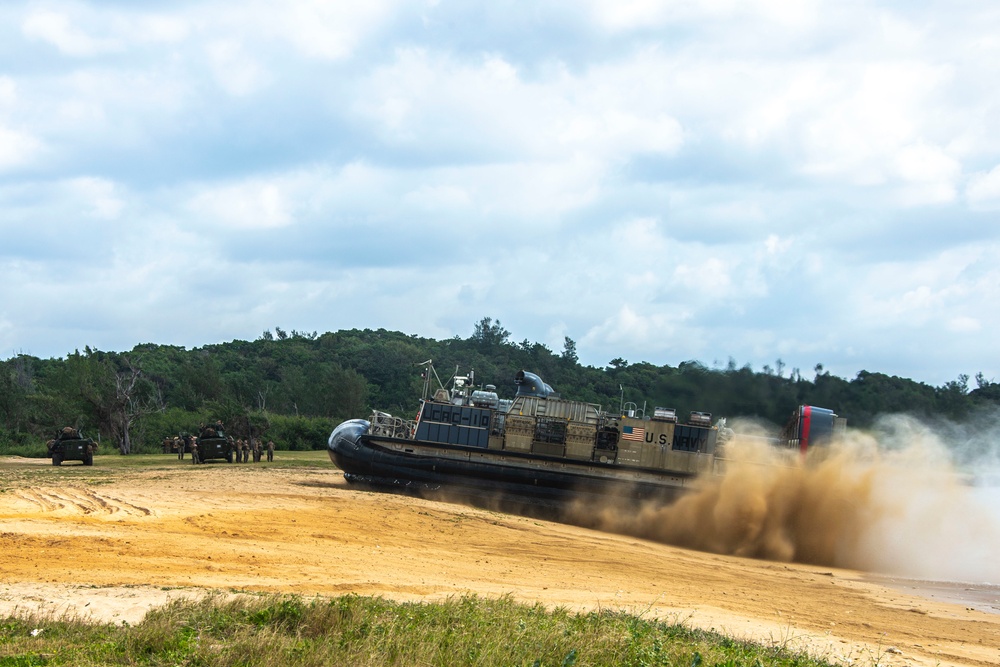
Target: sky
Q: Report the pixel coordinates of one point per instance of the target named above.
(815, 182)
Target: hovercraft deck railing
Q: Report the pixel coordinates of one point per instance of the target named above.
(387, 426)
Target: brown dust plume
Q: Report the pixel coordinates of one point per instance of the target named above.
(892, 504)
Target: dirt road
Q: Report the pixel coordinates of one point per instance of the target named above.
(113, 545)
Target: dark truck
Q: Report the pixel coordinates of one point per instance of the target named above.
(213, 444)
(70, 445)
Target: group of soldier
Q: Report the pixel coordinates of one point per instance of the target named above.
(241, 449)
(244, 449)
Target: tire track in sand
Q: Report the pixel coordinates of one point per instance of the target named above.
(80, 501)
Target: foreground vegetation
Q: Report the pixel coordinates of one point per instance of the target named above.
(294, 388)
(353, 630)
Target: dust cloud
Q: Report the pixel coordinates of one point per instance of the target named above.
(892, 501)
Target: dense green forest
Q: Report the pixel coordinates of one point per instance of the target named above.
(294, 387)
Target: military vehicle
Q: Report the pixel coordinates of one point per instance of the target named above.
(70, 445)
(213, 444)
(538, 444)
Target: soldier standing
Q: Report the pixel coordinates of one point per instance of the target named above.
(194, 450)
(256, 451)
(270, 450)
(181, 444)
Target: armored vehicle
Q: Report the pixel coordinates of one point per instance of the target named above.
(70, 445)
(213, 444)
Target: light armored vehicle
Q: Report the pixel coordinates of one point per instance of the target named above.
(213, 444)
(70, 445)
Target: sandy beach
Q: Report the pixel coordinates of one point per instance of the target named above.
(110, 547)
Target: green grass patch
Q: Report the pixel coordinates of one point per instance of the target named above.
(353, 630)
(20, 472)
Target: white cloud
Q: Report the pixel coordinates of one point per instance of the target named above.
(628, 328)
(621, 15)
(17, 148)
(487, 107)
(98, 196)
(331, 30)
(675, 170)
(947, 291)
(252, 204)
(425, 99)
(235, 69)
(864, 132)
(618, 131)
(775, 246)
(965, 324)
(157, 29)
(627, 14)
(518, 194)
(8, 93)
(705, 277)
(84, 31)
(929, 175)
(437, 197)
(983, 190)
(640, 238)
(59, 30)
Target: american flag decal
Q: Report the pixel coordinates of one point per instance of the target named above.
(633, 433)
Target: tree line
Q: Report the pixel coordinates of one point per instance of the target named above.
(293, 387)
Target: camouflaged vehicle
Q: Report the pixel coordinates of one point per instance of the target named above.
(213, 444)
(70, 445)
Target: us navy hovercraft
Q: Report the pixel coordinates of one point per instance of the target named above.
(538, 444)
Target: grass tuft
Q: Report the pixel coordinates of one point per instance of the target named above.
(268, 631)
